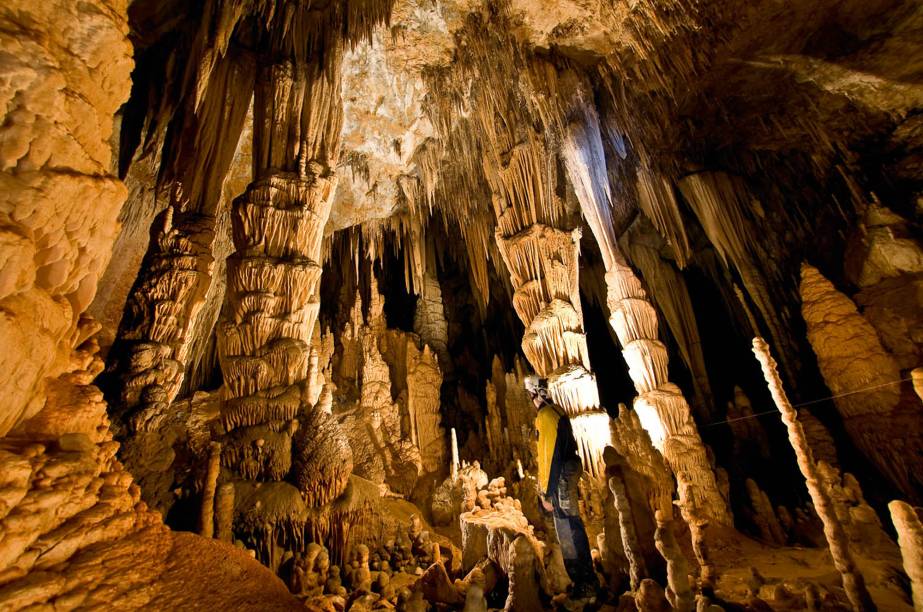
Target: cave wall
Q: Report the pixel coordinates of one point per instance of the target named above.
(71, 514)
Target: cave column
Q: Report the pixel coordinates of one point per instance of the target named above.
(154, 338)
(543, 262)
(272, 299)
(660, 404)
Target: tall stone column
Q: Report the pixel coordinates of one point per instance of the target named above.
(274, 433)
(660, 404)
(543, 262)
(152, 348)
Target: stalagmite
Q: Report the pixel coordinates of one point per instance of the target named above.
(270, 270)
(453, 469)
(910, 538)
(680, 593)
(224, 512)
(864, 379)
(853, 582)
(207, 523)
(424, 380)
(765, 517)
(627, 529)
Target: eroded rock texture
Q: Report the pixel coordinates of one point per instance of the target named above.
(71, 516)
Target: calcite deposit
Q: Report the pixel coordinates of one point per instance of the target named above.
(284, 285)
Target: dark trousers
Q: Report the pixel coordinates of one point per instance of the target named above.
(572, 538)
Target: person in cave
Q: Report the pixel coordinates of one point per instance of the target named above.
(559, 470)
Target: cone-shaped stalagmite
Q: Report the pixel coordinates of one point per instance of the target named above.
(910, 539)
(851, 358)
(853, 582)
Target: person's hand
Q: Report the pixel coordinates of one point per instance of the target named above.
(546, 504)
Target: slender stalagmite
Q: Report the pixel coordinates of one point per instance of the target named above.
(207, 527)
(680, 594)
(910, 539)
(627, 529)
(224, 512)
(454, 468)
(853, 582)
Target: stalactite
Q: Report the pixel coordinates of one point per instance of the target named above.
(543, 266)
(853, 582)
(851, 358)
(658, 202)
(669, 292)
(720, 202)
(665, 411)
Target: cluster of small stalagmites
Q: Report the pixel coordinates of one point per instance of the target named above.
(858, 518)
(864, 380)
(497, 539)
(660, 405)
(633, 455)
(458, 493)
(401, 568)
(159, 314)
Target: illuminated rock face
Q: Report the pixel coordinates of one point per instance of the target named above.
(522, 167)
(71, 514)
(850, 355)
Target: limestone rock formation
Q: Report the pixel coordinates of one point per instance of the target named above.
(274, 273)
(865, 380)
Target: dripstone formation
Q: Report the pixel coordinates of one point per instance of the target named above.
(288, 287)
